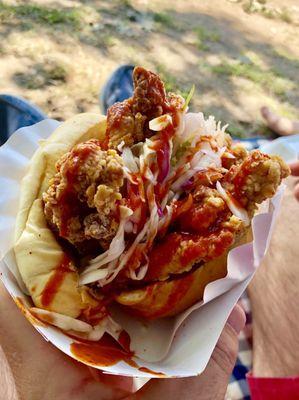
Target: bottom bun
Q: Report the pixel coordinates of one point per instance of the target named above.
(168, 298)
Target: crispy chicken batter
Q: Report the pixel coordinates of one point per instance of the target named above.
(209, 222)
(181, 251)
(255, 179)
(149, 96)
(80, 203)
(128, 121)
(207, 208)
(238, 153)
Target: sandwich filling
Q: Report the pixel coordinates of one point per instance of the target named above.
(165, 192)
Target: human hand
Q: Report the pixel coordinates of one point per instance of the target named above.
(33, 369)
(295, 172)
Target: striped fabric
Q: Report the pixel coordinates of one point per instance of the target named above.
(238, 388)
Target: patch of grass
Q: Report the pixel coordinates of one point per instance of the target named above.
(169, 80)
(41, 14)
(271, 79)
(260, 7)
(286, 58)
(125, 3)
(236, 130)
(268, 13)
(204, 36)
(253, 6)
(171, 83)
(286, 109)
(285, 15)
(56, 73)
(108, 40)
(121, 11)
(165, 19)
(243, 130)
(41, 76)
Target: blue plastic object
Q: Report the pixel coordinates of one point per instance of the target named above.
(15, 113)
(253, 142)
(118, 87)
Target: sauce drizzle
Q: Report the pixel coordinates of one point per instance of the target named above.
(124, 340)
(105, 352)
(149, 371)
(55, 281)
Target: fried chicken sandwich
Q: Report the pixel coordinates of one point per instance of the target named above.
(139, 208)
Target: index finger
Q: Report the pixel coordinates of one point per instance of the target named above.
(294, 168)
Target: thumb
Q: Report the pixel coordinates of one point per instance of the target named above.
(215, 378)
(212, 383)
(225, 353)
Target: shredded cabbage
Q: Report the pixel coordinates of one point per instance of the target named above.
(61, 321)
(129, 160)
(116, 248)
(238, 211)
(160, 123)
(77, 327)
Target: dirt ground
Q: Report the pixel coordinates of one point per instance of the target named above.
(239, 54)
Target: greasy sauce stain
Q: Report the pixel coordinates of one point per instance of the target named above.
(30, 317)
(124, 340)
(105, 352)
(132, 363)
(55, 281)
(148, 371)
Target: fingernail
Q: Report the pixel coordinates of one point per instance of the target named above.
(237, 319)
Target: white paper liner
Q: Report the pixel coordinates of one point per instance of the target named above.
(176, 347)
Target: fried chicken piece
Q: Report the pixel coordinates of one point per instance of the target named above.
(128, 121)
(234, 155)
(207, 207)
(203, 232)
(121, 124)
(149, 96)
(239, 152)
(211, 227)
(255, 179)
(178, 252)
(81, 201)
(208, 178)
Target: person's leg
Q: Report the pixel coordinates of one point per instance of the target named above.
(280, 125)
(118, 87)
(274, 297)
(16, 113)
